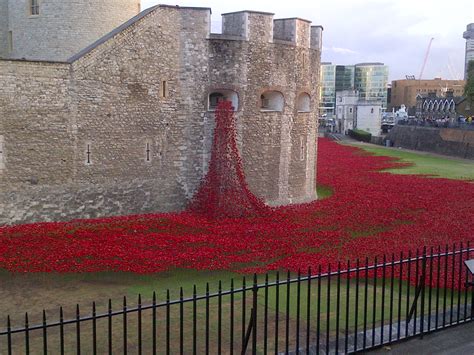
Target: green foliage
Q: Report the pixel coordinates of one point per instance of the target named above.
(360, 135)
(469, 88)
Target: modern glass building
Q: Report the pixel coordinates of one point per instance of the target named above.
(344, 77)
(371, 80)
(327, 102)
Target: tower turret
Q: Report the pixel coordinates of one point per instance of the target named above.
(55, 30)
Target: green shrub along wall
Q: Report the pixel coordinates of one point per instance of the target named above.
(360, 135)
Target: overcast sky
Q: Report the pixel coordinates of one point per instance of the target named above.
(395, 32)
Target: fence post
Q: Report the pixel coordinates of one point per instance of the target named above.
(255, 293)
(422, 285)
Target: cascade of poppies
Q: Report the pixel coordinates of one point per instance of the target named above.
(224, 192)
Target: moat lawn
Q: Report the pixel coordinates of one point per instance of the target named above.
(424, 163)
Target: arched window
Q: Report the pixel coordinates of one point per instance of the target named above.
(223, 95)
(431, 106)
(303, 104)
(453, 106)
(272, 101)
(442, 105)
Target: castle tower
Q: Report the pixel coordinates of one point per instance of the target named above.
(469, 36)
(3, 27)
(54, 30)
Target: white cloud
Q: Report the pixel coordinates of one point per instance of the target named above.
(340, 50)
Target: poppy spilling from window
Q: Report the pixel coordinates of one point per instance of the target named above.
(224, 193)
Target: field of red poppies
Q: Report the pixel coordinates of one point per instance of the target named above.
(370, 213)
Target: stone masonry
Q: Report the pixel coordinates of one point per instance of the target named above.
(61, 29)
(125, 125)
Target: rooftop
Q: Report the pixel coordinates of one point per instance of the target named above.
(368, 64)
(293, 18)
(249, 11)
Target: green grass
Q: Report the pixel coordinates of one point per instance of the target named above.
(328, 322)
(324, 192)
(425, 163)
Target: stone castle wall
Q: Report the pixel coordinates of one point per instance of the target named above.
(3, 28)
(446, 141)
(126, 128)
(62, 28)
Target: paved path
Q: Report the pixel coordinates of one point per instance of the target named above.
(456, 341)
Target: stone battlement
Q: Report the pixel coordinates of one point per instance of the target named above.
(261, 27)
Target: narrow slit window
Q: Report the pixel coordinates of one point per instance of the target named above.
(34, 7)
(88, 155)
(2, 154)
(301, 148)
(164, 89)
(10, 41)
(147, 153)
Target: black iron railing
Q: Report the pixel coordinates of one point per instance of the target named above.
(356, 307)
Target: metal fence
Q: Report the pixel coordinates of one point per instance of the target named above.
(354, 307)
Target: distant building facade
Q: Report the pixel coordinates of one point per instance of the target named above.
(369, 116)
(368, 79)
(434, 107)
(346, 110)
(345, 77)
(405, 92)
(469, 36)
(327, 95)
(354, 113)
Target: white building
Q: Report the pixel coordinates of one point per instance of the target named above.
(353, 113)
(369, 117)
(346, 110)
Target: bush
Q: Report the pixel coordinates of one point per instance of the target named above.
(360, 135)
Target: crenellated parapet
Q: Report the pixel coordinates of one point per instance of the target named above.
(256, 26)
(249, 25)
(317, 37)
(294, 30)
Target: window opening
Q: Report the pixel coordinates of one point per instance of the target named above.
(34, 7)
(214, 100)
(88, 154)
(164, 88)
(148, 152)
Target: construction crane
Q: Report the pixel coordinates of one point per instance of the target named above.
(426, 58)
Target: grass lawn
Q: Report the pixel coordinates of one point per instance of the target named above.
(424, 163)
(88, 287)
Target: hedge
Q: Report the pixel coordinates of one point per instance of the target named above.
(360, 135)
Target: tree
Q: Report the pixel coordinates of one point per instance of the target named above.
(469, 88)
